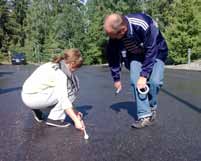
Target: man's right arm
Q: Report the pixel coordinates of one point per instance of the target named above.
(114, 60)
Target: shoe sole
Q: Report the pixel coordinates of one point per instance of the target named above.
(55, 125)
(140, 127)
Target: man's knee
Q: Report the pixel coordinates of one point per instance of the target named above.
(155, 82)
(135, 72)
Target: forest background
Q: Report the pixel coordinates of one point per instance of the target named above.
(43, 28)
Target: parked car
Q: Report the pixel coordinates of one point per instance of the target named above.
(18, 58)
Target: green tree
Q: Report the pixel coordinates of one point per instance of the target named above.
(19, 8)
(42, 28)
(68, 25)
(38, 18)
(183, 31)
(53, 26)
(95, 37)
(8, 33)
(159, 10)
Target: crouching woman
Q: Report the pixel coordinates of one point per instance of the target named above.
(54, 84)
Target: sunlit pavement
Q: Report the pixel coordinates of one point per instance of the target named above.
(175, 136)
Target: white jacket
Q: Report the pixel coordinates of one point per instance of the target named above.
(49, 75)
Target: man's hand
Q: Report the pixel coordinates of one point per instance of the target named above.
(141, 83)
(118, 85)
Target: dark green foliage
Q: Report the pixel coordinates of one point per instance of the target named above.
(8, 26)
(183, 31)
(43, 28)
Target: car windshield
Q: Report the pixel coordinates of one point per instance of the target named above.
(18, 55)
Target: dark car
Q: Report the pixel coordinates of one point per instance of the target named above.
(18, 58)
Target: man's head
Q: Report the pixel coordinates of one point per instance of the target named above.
(115, 26)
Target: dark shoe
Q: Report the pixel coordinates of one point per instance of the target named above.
(143, 122)
(38, 115)
(57, 123)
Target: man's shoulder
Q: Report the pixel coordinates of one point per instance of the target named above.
(136, 15)
(142, 16)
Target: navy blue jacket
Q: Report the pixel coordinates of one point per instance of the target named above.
(142, 42)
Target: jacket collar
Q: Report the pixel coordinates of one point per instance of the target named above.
(65, 69)
(129, 32)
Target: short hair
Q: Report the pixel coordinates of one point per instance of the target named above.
(117, 22)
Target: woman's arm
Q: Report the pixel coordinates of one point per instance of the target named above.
(76, 118)
(66, 105)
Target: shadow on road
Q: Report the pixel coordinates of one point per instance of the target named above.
(3, 91)
(193, 107)
(5, 73)
(130, 107)
(84, 109)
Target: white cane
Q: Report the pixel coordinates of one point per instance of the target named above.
(86, 136)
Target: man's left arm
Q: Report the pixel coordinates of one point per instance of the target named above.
(150, 50)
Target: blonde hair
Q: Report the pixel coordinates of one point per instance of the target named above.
(69, 56)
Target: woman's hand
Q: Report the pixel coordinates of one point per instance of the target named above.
(79, 115)
(79, 125)
(76, 117)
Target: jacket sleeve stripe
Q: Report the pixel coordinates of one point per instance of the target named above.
(139, 22)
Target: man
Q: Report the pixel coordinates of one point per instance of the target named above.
(136, 40)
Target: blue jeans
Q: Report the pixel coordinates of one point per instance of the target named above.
(145, 103)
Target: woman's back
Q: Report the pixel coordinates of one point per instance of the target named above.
(42, 78)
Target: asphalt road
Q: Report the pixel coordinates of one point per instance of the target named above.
(176, 135)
